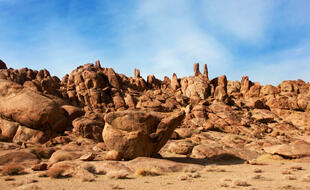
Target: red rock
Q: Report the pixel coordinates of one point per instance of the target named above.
(73, 112)
(195, 87)
(17, 156)
(88, 128)
(196, 69)
(175, 82)
(2, 65)
(138, 133)
(30, 108)
(25, 134)
(205, 71)
(7, 129)
(245, 84)
(113, 79)
(88, 157)
(39, 167)
(137, 73)
(295, 149)
(62, 155)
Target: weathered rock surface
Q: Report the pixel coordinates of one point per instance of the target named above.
(139, 133)
(296, 149)
(95, 114)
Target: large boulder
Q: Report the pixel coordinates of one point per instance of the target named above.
(30, 108)
(295, 149)
(88, 128)
(139, 133)
(7, 129)
(195, 87)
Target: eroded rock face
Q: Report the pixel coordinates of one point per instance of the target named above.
(139, 133)
(88, 128)
(221, 116)
(29, 108)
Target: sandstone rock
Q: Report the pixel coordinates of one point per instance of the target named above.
(113, 79)
(113, 155)
(233, 87)
(287, 87)
(88, 128)
(195, 87)
(182, 147)
(137, 73)
(39, 167)
(220, 94)
(174, 82)
(130, 102)
(7, 129)
(88, 156)
(73, 112)
(139, 133)
(196, 69)
(264, 116)
(25, 134)
(2, 65)
(254, 90)
(184, 132)
(295, 149)
(199, 111)
(62, 155)
(21, 157)
(205, 71)
(269, 90)
(30, 108)
(153, 82)
(245, 84)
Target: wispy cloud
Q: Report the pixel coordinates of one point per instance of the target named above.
(242, 19)
(160, 37)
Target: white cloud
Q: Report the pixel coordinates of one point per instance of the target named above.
(173, 39)
(246, 20)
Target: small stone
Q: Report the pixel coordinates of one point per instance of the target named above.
(224, 185)
(88, 157)
(9, 179)
(290, 177)
(258, 170)
(257, 177)
(241, 183)
(113, 155)
(115, 186)
(183, 177)
(295, 168)
(39, 167)
(286, 172)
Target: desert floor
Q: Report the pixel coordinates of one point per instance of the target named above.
(274, 174)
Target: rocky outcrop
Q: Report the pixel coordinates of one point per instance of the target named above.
(139, 133)
(213, 117)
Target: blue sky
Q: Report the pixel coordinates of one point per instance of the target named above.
(268, 40)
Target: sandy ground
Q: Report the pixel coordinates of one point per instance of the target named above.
(220, 175)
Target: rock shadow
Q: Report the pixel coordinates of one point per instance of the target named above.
(221, 159)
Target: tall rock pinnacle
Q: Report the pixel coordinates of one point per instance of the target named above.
(205, 71)
(196, 70)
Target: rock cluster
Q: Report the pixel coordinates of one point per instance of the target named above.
(96, 109)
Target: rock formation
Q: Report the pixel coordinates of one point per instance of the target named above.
(139, 133)
(96, 111)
